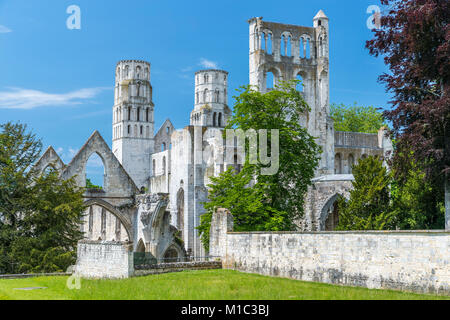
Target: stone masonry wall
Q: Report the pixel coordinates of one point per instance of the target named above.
(415, 261)
(104, 259)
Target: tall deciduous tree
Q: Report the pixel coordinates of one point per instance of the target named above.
(275, 201)
(415, 41)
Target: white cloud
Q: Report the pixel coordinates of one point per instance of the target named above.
(18, 98)
(4, 29)
(205, 63)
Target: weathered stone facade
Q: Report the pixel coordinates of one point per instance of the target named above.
(407, 260)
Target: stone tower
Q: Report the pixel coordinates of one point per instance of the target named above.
(133, 123)
(290, 52)
(211, 103)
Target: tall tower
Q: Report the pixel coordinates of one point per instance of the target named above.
(211, 102)
(290, 52)
(133, 123)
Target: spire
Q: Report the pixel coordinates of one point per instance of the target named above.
(320, 15)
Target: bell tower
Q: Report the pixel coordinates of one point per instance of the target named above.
(133, 123)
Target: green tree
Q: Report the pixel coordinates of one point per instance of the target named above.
(356, 118)
(417, 203)
(39, 214)
(90, 185)
(267, 202)
(369, 205)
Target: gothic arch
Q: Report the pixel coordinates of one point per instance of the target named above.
(123, 219)
(326, 210)
(140, 246)
(173, 252)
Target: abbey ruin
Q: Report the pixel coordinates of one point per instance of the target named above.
(155, 182)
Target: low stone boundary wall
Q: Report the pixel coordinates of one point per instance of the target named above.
(176, 267)
(414, 261)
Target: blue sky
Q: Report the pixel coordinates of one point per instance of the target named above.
(60, 81)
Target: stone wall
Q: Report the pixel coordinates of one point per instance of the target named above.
(104, 259)
(415, 261)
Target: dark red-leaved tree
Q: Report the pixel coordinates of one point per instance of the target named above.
(414, 39)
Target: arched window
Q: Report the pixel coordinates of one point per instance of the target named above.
(146, 114)
(216, 95)
(300, 86)
(138, 114)
(168, 130)
(220, 119)
(163, 146)
(95, 172)
(214, 119)
(308, 49)
(126, 71)
(269, 43)
(142, 130)
(205, 78)
(351, 162)
(337, 164)
(129, 113)
(138, 73)
(270, 80)
(129, 129)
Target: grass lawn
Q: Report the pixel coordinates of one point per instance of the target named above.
(193, 285)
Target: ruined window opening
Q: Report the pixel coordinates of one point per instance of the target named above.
(269, 43)
(320, 22)
(95, 172)
(220, 119)
(163, 146)
(308, 48)
(168, 130)
(129, 129)
(270, 80)
(129, 113)
(300, 86)
(142, 130)
(146, 114)
(138, 114)
(214, 119)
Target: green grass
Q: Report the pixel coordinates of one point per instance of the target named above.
(193, 285)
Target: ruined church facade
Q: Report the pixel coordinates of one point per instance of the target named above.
(155, 183)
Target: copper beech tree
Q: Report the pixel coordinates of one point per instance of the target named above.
(414, 39)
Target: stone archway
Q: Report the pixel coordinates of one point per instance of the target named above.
(329, 216)
(140, 246)
(119, 215)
